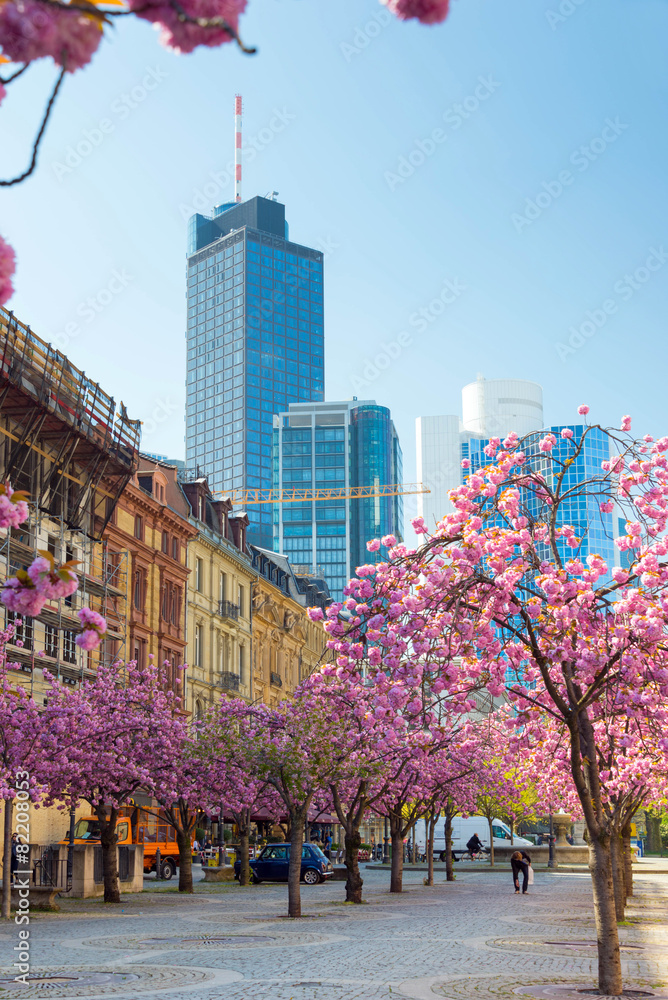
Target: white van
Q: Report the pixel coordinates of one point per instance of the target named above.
(462, 831)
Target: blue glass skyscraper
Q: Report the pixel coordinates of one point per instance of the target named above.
(255, 343)
(329, 446)
(580, 507)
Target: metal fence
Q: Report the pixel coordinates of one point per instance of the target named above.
(50, 872)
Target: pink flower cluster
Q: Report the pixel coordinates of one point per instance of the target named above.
(425, 11)
(32, 30)
(184, 36)
(52, 583)
(21, 597)
(13, 508)
(94, 627)
(7, 261)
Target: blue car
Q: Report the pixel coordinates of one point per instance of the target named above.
(271, 865)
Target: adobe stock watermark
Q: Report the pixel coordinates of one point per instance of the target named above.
(365, 35)
(223, 180)
(564, 10)
(21, 876)
(625, 288)
(420, 320)
(454, 117)
(89, 308)
(581, 158)
(160, 414)
(119, 110)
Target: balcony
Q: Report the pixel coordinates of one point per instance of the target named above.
(228, 610)
(276, 680)
(229, 681)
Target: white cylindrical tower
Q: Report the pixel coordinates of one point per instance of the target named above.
(494, 407)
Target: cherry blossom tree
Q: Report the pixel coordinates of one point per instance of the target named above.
(122, 729)
(499, 595)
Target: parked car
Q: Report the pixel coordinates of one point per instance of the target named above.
(271, 865)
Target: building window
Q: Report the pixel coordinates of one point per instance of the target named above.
(199, 575)
(175, 615)
(139, 590)
(51, 641)
(23, 633)
(241, 663)
(198, 645)
(165, 542)
(139, 527)
(69, 647)
(222, 587)
(113, 568)
(176, 551)
(164, 604)
(241, 601)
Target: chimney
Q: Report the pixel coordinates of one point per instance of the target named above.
(239, 524)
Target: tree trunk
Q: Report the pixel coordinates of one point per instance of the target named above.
(295, 870)
(627, 860)
(653, 824)
(108, 838)
(244, 855)
(397, 860)
(7, 877)
(185, 860)
(430, 825)
(617, 865)
(354, 880)
(414, 848)
(491, 842)
(449, 874)
(609, 961)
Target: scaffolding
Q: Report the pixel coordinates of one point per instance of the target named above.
(64, 418)
(73, 452)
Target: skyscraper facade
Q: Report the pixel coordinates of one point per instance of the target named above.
(490, 408)
(255, 343)
(335, 446)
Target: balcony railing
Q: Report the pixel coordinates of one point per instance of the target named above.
(276, 680)
(229, 681)
(228, 610)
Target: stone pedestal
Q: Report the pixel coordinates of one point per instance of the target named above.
(224, 874)
(562, 827)
(578, 833)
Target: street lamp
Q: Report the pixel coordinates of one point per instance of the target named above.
(70, 849)
(550, 860)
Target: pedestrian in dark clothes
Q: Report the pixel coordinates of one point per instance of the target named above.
(519, 862)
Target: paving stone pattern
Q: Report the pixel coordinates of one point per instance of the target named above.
(473, 939)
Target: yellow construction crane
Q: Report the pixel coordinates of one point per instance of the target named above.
(242, 498)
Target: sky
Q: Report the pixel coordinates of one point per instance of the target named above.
(488, 193)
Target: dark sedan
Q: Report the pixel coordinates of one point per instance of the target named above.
(272, 864)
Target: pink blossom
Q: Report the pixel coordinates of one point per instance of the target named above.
(373, 545)
(89, 639)
(7, 264)
(315, 614)
(426, 11)
(626, 423)
(547, 443)
(583, 410)
(22, 598)
(388, 541)
(419, 526)
(607, 506)
(32, 30)
(567, 433)
(51, 582)
(465, 463)
(13, 510)
(184, 36)
(91, 619)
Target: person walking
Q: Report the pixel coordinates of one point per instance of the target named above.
(328, 846)
(520, 862)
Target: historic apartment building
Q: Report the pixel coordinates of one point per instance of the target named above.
(248, 632)
(65, 443)
(148, 534)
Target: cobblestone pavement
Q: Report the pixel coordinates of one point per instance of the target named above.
(469, 939)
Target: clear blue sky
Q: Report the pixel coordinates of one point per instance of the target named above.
(349, 112)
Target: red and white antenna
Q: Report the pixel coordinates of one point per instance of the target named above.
(237, 147)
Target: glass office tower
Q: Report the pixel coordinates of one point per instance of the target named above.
(335, 446)
(255, 343)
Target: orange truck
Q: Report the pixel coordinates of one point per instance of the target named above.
(136, 826)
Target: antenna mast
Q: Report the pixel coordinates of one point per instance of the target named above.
(237, 148)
